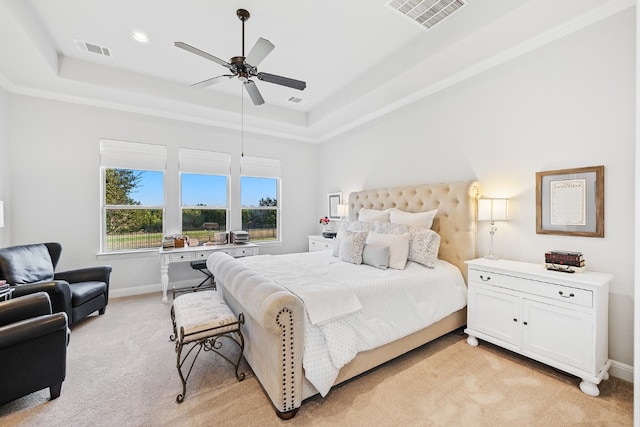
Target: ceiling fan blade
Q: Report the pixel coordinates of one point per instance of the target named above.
(259, 51)
(253, 92)
(283, 81)
(213, 81)
(203, 54)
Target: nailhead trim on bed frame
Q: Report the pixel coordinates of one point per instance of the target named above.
(285, 322)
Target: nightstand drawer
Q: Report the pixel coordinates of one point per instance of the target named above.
(563, 293)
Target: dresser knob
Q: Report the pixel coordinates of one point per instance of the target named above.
(483, 278)
(525, 323)
(515, 320)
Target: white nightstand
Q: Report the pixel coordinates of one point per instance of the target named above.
(556, 318)
(319, 243)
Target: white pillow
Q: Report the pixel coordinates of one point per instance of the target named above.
(376, 256)
(351, 246)
(423, 246)
(373, 215)
(398, 247)
(415, 219)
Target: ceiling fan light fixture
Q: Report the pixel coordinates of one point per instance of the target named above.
(245, 67)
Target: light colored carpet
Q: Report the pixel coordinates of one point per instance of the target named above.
(121, 372)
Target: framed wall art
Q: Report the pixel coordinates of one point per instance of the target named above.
(570, 202)
(334, 199)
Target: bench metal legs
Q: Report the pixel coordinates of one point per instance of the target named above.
(210, 343)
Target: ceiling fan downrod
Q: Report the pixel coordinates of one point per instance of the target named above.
(243, 15)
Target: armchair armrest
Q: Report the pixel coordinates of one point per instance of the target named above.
(98, 273)
(58, 290)
(25, 307)
(31, 329)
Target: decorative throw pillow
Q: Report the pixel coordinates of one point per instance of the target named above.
(352, 245)
(357, 226)
(424, 247)
(415, 219)
(376, 256)
(398, 247)
(373, 215)
(392, 228)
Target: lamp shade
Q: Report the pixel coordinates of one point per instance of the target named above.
(343, 210)
(493, 209)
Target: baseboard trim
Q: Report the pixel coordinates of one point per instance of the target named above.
(150, 289)
(621, 370)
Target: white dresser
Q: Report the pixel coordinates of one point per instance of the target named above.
(560, 319)
(319, 243)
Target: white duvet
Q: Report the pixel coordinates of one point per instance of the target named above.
(395, 303)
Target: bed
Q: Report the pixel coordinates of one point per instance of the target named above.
(285, 319)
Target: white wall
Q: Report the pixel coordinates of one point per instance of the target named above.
(4, 164)
(568, 104)
(56, 181)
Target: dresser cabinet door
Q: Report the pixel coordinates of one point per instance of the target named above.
(558, 333)
(494, 313)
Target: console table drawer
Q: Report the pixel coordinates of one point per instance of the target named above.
(182, 257)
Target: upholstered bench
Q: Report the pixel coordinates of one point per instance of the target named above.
(201, 319)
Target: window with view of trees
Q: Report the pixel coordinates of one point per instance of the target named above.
(204, 183)
(260, 195)
(133, 209)
(133, 195)
(204, 205)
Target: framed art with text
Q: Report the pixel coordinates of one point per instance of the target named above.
(570, 202)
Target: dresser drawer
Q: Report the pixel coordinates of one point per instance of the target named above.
(554, 291)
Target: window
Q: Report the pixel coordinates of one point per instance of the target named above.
(260, 198)
(132, 195)
(204, 183)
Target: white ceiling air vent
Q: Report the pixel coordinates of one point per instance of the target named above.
(427, 13)
(295, 100)
(92, 48)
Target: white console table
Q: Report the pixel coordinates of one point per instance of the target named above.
(168, 256)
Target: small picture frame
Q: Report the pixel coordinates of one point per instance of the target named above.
(334, 199)
(570, 202)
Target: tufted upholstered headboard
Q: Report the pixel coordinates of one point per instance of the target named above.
(456, 221)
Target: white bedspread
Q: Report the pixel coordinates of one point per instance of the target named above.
(395, 303)
(324, 297)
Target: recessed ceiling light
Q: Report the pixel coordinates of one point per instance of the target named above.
(140, 37)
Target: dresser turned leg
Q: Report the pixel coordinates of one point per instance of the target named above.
(589, 388)
(472, 341)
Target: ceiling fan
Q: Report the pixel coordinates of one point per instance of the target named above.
(245, 67)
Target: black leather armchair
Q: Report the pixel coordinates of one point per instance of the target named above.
(33, 347)
(31, 268)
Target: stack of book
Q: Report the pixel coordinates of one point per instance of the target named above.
(567, 261)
